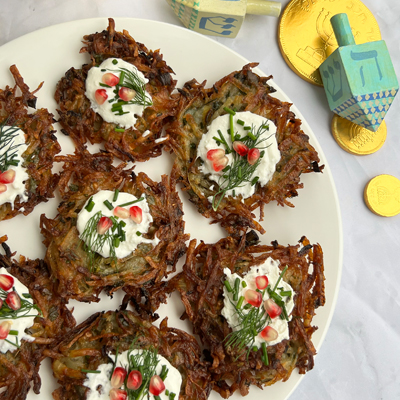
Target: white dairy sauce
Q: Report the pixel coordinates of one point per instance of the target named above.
(100, 384)
(16, 188)
(19, 324)
(266, 168)
(271, 270)
(132, 239)
(93, 80)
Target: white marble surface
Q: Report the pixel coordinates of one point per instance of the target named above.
(359, 358)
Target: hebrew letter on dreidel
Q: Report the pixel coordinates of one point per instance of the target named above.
(368, 83)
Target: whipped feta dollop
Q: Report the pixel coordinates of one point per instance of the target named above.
(17, 187)
(269, 145)
(20, 324)
(100, 383)
(270, 269)
(94, 81)
(133, 231)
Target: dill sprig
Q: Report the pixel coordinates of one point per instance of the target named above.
(93, 242)
(23, 312)
(8, 150)
(240, 171)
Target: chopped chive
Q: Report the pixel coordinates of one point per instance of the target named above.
(240, 302)
(265, 354)
(121, 77)
(104, 85)
(229, 111)
(14, 333)
(286, 293)
(13, 162)
(217, 140)
(164, 372)
(233, 193)
(228, 286)
(240, 122)
(244, 284)
(123, 237)
(172, 396)
(255, 180)
(255, 333)
(262, 154)
(227, 148)
(119, 230)
(247, 128)
(227, 168)
(255, 348)
(138, 233)
(108, 204)
(122, 223)
(280, 277)
(116, 241)
(90, 371)
(240, 171)
(167, 392)
(157, 398)
(236, 293)
(115, 62)
(90, 205)
(103, 70)
(119, 130)
(237, 137)
(26, 295)
(131, 202)
(116, 193)
(231, 127)
(247, 306)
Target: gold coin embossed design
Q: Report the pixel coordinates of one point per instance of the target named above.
(306, 36)
(355, 139)
(382, 195)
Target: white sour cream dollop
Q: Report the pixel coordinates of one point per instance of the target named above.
(271, 270)
(19, 324)
(267, 166)
(16, 188)
(93, 81)
(100, 384)
(132, 238)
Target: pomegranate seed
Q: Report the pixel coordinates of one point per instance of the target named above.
(269, 334)
(261, 282)
(253, 156)
(136, 214)
(156, 386)
(6, 282)
(104, 225)
(3, 188)
(7, 176)
(126, 94)
(121, 212)
(220, 164)
(215, 154)
(5, 327)
(101, 96)
(240, 148)
(118, 394)
(13, 301)
(118, 377)
(254, 298)
(110, 79)
(272, 308)
(134, 380)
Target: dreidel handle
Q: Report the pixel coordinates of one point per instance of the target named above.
(341, 27)
(263, 7)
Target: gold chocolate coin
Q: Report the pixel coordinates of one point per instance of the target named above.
(382, 195)
(306, 36)
(355, 139)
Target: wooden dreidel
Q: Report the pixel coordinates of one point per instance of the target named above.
(220, 17)
(359, 80)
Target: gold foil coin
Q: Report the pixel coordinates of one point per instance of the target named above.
(306, 36)
(382, 195)
(355, 139)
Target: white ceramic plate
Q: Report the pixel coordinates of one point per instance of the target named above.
(45, 55)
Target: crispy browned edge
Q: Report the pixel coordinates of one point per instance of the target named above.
(20, 368)
(243, 91)
(81, 123)
(88, 346)
(201, 288)
(83, 175)
(41, 141)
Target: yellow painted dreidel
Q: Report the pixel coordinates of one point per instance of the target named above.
(359, 80)
(220, 17)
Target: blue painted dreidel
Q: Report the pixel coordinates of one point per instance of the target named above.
(359, 80)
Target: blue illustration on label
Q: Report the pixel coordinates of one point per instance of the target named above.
(219, 25)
